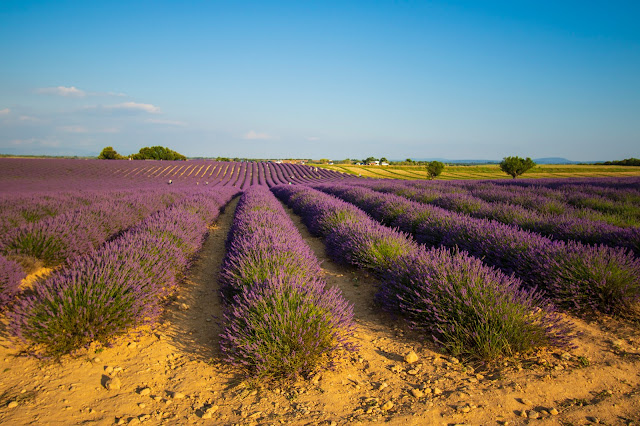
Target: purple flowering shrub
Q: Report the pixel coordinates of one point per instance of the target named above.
(11, 274)
(280, 320)
(592, 278)
(55, 240)
(366, 244)
(261, 244)
(119, 286)
(468, 307)
(95, 299)
(284, 328)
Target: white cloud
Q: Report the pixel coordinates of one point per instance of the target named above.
(134, 106)
(109, 130)
(73, 129)
(167, 122)
(63, 91)
(5, 111)
(29, 119)
(74, 92)
(121, 95)
(313, 138)
(256, 136)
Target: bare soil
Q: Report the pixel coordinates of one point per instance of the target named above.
(175, 374)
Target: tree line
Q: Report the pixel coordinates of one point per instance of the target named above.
(146, 153)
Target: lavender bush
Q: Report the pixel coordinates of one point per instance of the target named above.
(280, 320)
(468, 308)
(56, 239)
(591, 278)
(286, 327)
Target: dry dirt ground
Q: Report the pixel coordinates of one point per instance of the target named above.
(174, 374)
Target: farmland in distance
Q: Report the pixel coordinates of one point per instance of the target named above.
(457, 172)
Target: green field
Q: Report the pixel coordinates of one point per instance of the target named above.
(489, 171)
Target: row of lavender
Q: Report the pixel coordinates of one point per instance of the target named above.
(67, 232)
(612, 200)
(18, 210)
(119, 286)
(576, 276)
(565, 226)
(280, 319)
(467, 307)
(604, 199)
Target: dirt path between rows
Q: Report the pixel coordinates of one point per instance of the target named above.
(175, 374)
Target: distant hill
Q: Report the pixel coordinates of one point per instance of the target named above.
(555, 160)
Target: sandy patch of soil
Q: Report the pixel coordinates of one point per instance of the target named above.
(174, 374)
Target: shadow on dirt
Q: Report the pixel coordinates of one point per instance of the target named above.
(194, 318)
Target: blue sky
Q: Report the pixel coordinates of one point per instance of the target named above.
(322, 79)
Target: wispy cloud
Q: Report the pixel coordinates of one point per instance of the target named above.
(74, 92)
(252, 135)
(109, 130)
(121, 95)
(62, 91)
(29, 119)
(167, 122)
(134, 106)
(5, 111)
(73, 129)
(313, 138)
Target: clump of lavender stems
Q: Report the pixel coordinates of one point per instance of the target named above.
(280, 319)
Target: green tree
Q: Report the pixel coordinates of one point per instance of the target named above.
(158, 153)
(108, 153)
(369, 160)
(384, 160)
(434, 168)
(515, 166)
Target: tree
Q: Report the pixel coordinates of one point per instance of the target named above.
(158, 153)
(434, 168)
(515, 166)
(384, 160)
(108, 153)
(369, 160)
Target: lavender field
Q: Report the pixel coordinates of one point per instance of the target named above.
(568, 244)
(481, 270)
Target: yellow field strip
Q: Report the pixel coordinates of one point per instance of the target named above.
(198, 172)
(169, 173)
(131, 171)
